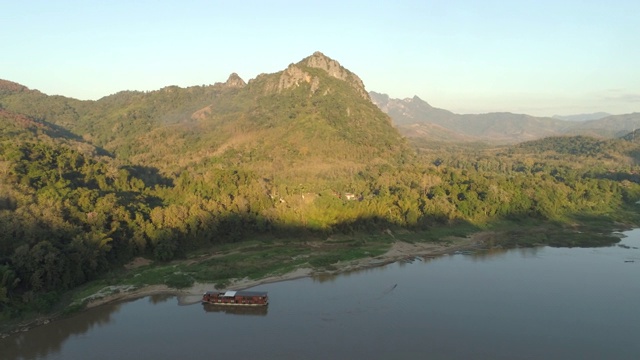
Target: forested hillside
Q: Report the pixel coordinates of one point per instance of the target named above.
(86, 186)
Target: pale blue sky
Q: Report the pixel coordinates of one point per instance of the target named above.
(537, 57)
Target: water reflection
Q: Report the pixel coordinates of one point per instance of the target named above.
(475, 255)
(497, 253)
(331, 277)
(159, 298)
(44, 341)
(237, 310)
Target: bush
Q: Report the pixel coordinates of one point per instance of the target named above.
(179, 281)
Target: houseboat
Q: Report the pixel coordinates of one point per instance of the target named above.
(236, 298)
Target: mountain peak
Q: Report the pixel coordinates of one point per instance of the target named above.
(319, 54)
(318, 60)
(322, 61)
(235, 81)
(300, 73)
(417, 101)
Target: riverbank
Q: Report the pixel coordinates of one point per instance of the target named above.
(259, 261)
(399, 247)
(398, 251)
(251, 263)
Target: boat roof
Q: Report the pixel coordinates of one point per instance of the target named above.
(232, 293)
(251, 293)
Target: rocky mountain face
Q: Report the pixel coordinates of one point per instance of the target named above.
(300, 73)
(415, 118)
(319, 61)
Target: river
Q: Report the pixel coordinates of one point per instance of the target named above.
(536, 303)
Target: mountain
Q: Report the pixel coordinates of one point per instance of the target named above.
(314, 117)
(608, 127)
(410, 111)
(415, 118)
(582, 117)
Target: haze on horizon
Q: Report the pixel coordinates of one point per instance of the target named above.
(536, 57)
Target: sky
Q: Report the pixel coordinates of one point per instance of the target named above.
(537, 57)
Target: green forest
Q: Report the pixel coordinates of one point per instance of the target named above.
(85, 187)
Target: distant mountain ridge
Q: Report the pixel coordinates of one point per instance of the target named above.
(415, 118)
(582, 117)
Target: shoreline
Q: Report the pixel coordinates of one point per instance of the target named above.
(398, 251)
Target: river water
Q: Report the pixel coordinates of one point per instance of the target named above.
(540, 303)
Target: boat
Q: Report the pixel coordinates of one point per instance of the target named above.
(236, 298)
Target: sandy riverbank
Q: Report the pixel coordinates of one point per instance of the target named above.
(398, 251)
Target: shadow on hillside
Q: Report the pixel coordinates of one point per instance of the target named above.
(635, 155)
(149, 175)
(126, 198)
(619, 176)
(57, 131)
